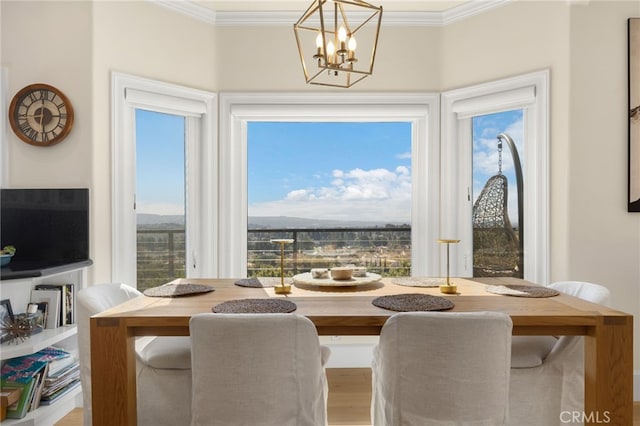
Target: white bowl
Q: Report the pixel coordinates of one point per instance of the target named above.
(341, 273)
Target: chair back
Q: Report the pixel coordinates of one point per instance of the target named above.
(256, 369)
(590, 292)
(91, 301)
(435, 368)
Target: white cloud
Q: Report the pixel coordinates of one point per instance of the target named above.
(404, 156)
(377, 194)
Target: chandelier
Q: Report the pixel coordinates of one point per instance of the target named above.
(337, 41)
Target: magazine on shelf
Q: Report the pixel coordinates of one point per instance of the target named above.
(32, 374)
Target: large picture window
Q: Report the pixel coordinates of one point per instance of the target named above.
(239, 111)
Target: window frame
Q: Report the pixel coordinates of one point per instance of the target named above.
(529, 92)
(237, 109)
(200, 111)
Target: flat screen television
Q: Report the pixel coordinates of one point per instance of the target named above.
(48, 227)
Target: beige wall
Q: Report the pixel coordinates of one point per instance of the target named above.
(582, 43)
(266, 59)
(56, 55)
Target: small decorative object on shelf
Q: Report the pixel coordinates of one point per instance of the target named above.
(282, 288)
(6, 254)
(16, 330)
(448, 287)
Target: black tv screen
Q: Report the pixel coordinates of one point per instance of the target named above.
(48, 227)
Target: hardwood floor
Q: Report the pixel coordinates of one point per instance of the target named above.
(348, 403)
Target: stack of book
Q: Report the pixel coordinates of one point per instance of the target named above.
(57, 301)
(42, 378)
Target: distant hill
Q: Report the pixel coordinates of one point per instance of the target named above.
(267, 222)
(261, 222)
(159, 220)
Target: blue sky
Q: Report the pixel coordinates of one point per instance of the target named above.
(341, 170)
(325, 170)
(159, 163)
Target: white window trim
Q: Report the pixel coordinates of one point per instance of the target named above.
(237, 109)
(531, 93)
(128, 93)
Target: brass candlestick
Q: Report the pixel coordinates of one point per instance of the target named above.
(282, 289)
(448, 287)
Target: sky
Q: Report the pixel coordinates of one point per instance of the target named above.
(159, 163)
(341, 170)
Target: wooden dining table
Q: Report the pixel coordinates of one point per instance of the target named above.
(348, 310)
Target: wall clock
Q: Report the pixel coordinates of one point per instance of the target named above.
(41, 115)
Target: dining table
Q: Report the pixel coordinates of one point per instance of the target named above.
(348, 310)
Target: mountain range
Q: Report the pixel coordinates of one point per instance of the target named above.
(263, 222)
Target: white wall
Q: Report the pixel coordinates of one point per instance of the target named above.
(583, 43)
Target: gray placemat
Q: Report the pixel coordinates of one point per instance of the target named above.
(522, 290)
(255, 306)
(418, 281)
(413, 302)
(177, 290)
(261, 282)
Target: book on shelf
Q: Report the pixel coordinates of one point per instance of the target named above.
(67, 301)
(32, 374)
(18, 409)
(52, 298)
(8, 397)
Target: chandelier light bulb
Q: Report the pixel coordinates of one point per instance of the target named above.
(330, 49)
(342, 34)
(319, 41)
(352, 44)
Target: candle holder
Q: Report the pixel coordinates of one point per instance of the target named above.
(448, 287)
(282, 289)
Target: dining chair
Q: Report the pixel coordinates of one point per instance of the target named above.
(436, 368)
(547, 374)
(163, 364)
(257, 369)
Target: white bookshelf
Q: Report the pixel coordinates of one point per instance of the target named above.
(18, 291)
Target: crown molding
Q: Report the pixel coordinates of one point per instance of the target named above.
(189, 8)
(281, 18)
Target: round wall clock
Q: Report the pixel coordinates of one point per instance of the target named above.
(41, 115)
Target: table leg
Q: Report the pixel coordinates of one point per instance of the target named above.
(113, 373)
(608, 366)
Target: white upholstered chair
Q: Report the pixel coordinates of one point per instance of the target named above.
(435, 368)
(547, 374)
(257, 369)
(163, 364)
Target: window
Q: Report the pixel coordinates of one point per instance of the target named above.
(160, 198)
(238, 110)
(340, 190)
(497, 194)
(196, 109)
(459, 107)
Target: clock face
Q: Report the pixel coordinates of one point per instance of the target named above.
(41, 115)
